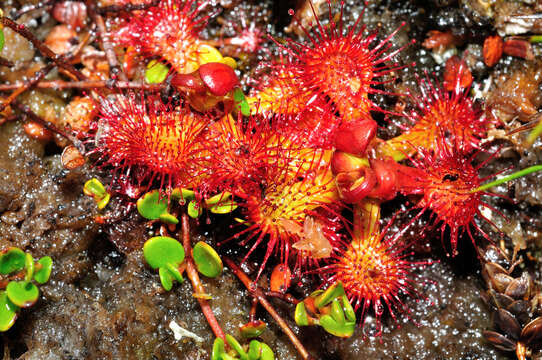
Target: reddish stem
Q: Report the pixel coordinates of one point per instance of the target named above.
(258, 294)
(194, 278)
(88, 84)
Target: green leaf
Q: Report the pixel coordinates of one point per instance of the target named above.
(168, 218)
(218, 198)
(94, 187)
(2, 39)
(194, 209)
(207, 260)
(174, 272)
(8, 312)
(348, 309)
(165, 278)
(153, 206)
(22, 293)
(234, 344)
(253, 329)
(218, 349)
(102, 203)
(182, 193)
(337, 312)
(300, 316)
(343, 330)
(266, 353)
(159, 251)
(327, 296)
(12, 260)
(241, 103)
(42, 274)
(254, 350)
(156, 72)
(225, 207)
(29, 266)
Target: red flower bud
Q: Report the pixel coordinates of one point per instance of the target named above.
(386, 177)
(345, 162)
(190, 81)
(354, 136)
(356, 185)
(219, 78)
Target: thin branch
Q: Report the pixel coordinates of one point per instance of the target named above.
(5, 62)
(114, 67)
(50, 126)
(127, 7)
(27, 85)
(42, 48)
(194, 278)
(86, 84)
(257, 293)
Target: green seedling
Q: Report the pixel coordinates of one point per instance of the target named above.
(153, 206)
(256, 350)
(96, 190)
(330, 309)
(165, 254)
(156, 72)
(2, 38)
(207, 260)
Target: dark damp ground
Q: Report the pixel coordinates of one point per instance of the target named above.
(103, 303)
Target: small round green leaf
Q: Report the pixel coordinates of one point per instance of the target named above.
(22, 293)
(224, 207)
(12, 260)
(156, 72)
(194, 209)
(234, 344)
(153, 206)
(343, 330)
(218, 349)
(42, 274)
(348, 309)
(207, 260)
(300, 315)
(174, 272)
(327, 296)
(168, 218)
(267, 353)
(165, 278)
(2, 39)
(102, 202)
(94, 188)
(8, 312)
(253, 329)
(337, 312)
(161, 250)
(254, 350)
(29, 266)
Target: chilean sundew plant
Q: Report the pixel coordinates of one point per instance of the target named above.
(343, 64)
(374, 267)
(285, 211)
(143, 138)
(452, 115)
(168, 30)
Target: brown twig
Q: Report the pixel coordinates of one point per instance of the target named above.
(194, 278)
(5, 62)
(42, 48)
(257, 293)
(50, 126)
(114, 67)
(87, 84)
(27, 85)
(127, 7)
